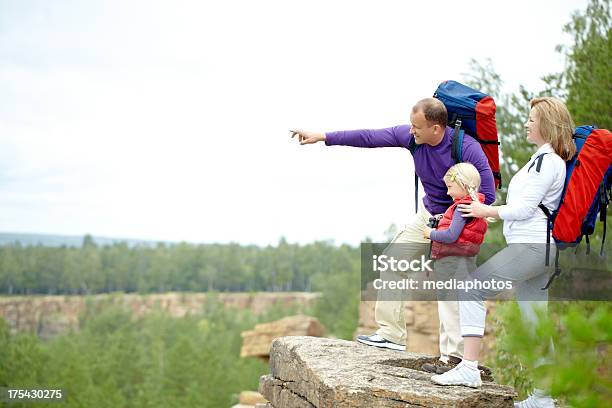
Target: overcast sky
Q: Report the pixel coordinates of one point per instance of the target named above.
(168, 120)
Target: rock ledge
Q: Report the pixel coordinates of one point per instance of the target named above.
(311, 372)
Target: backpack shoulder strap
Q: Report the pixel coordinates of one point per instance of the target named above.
(416, 193)
(549, 220)
(412, 147)
(603, 212)
(537, 162)
(546, 211)
(457, 146)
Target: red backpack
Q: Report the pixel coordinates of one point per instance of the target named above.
(587, 191)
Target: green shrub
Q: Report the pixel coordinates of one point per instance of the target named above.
(578, 371)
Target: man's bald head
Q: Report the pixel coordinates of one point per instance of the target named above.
(434, 111)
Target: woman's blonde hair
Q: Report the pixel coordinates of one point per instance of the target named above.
(466, 176)
(555, 124)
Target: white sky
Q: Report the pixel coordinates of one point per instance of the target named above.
(168, 120)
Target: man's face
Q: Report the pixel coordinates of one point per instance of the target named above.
(423, 131)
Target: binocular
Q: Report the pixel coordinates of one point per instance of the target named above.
(433, 222)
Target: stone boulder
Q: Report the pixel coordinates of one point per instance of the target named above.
(309, 372)
(256, 343)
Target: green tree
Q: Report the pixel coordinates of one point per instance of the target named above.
(586, 81)
(579, 369)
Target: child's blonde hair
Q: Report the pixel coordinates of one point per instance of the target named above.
(466, 176)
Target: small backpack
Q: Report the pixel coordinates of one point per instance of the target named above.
(586, 194)
(469, 111)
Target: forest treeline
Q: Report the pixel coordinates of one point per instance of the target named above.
(92, 269)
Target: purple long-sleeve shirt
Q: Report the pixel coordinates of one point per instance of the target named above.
(430, 162)
(451, 234)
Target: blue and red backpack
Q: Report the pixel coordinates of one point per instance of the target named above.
(586, 195)
(471, 111)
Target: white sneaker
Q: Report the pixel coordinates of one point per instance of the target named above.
(460, 375)
(378, 341)
(539, 399)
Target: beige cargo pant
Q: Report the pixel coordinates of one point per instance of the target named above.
(389, 311)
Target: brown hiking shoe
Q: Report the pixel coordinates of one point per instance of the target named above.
(439, 367)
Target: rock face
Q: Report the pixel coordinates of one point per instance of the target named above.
(312, 372)
(48, 316)
(422, 326)
(256, 343)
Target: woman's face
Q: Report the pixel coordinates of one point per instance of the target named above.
(533, 129)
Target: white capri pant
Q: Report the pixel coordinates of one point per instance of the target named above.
(523, 265)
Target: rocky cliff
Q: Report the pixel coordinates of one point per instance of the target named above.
(48, 316)
(310, 372)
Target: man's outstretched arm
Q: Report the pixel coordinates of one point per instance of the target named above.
(397, 136)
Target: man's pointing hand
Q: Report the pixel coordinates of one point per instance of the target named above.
(306, 137)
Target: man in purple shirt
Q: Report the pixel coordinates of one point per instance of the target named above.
(432, 158)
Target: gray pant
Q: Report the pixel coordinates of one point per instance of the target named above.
(523, 265)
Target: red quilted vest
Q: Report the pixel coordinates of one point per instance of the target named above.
(468, 243)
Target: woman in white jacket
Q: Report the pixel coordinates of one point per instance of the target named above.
(541, 180)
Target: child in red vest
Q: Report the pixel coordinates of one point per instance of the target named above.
(455, 244)
(457, 235)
